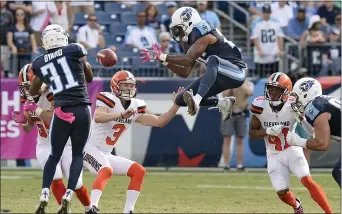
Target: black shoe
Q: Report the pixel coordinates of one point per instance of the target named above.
(300, 209)
(93, 210)
(240, 169)
(226, 168)
(131, 212)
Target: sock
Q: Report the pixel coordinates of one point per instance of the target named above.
(99, 184)
(45, 193)
(198, 99)
(239, 166)
(49, 170)
(131, 199)
(289, 199)
(317, 193)
(68, 193)
(58, 189)
(137, 173)
(83, 195)
(75, 171)
(95, 197)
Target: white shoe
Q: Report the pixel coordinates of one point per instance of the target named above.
(42, 203)
(65, 206)
(225, 106)
(190, 102)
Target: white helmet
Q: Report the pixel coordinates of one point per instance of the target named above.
(305, 90)
(182, 23)
(54, 36)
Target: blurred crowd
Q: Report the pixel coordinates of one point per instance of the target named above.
(98, 24)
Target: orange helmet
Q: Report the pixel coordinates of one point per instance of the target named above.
(24, 80)
(278, 88)
(123, 77)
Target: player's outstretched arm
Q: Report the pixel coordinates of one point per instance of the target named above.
(88, 72)
(320, 142)
(101, 115)
(255, 129)
(196, 50)
(163, 119)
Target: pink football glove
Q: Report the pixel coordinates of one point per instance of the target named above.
(30, 106)
(19, 117)
(153, 54)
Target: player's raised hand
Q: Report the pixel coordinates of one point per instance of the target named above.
(274, 130)
(19, 117)
(30, 106)
(180, 90)
(128, 113)
(153, 54)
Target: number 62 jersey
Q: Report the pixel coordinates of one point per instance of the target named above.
(262, 110)
(106, 135)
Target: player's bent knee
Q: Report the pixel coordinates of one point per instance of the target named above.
(136, 170)
(282, 192)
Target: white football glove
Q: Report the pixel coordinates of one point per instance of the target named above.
(274, 130)
(294, 139)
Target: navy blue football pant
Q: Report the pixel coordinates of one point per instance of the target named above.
(60, 131)
(336, 173)
(220, 75)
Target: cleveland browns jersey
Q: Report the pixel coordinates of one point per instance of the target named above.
(322, 104)
(263, 111)
(106, 135)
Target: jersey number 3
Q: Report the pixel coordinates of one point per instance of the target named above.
(277, 141)
(118, 129)
(55, 78)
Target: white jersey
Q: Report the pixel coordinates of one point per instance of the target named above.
(106, 135)
(267, 33)
(262, 110)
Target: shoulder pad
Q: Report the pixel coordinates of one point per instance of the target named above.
(104, 97)
(257, 106)
(203, 27)
(80, 48)
(141, 106)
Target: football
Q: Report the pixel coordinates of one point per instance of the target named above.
(106, 57)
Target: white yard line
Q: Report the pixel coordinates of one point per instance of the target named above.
(204, 186)
(11, 177)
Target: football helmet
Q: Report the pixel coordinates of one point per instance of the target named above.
(305, 90)
(24, 81)
(278, 88)
(123, 77)
(54, 36)
(182, 23)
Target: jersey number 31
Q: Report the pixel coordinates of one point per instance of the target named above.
(277, 141)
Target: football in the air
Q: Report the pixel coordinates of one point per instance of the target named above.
(106, 57)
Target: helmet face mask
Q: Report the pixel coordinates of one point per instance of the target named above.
(124, 85)
(275, 94)
(178, 33)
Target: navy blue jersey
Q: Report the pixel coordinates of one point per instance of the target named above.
(62, 70)
(324, 104)
(223, 48)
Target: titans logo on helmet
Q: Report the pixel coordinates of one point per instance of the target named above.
(186, 15)
(305, 86)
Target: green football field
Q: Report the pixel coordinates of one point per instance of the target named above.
(174, 192)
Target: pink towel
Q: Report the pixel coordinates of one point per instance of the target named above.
(68, 117)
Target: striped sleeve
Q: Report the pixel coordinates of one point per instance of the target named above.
(257, 105)
(102, 100)
(141, 109)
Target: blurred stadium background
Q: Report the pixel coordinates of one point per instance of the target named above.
(187, 141)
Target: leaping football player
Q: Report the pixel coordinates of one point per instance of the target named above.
(115, 112)
(273, 119)
(205, 44)
(41, 114)
(323, 113)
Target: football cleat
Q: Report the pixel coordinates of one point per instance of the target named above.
(93, 210)
(65, 206)
(190, 102)
(42, 203)
(300, 209)
(225, 106)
